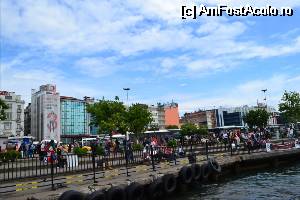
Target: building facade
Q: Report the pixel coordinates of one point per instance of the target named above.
(197, 118)
(27, 120)
(45, 113)
(75, 120)
(171, 114)
(223, 117)
(13, 125)
(158, 116)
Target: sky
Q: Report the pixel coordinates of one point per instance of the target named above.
(98, 47)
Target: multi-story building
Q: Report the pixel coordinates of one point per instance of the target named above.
(225, 117)
(27, 120)
(75, 120)
(164, 115)
(13, 125)
(158, 116)
(171, 114)
(45, 113)
(197, 118)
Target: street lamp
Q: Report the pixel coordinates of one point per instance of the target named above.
(265, 99)
(126, 89)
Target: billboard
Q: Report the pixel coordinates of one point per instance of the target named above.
(51, 115)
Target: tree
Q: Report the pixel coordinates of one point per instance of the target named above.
(257, 118)
(109, 116)
(3, 107)
(172, 127)
(202, 131)
(188, 129)
(138, 118)
(290, 107)
(153, 127)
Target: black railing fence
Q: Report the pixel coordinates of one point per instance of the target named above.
(67, 164)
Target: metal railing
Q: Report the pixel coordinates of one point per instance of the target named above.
(47, 166)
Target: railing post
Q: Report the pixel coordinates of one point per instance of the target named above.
(206, 149)
(191, 143)
(52, 173)
(94, 162)
(152, 158)
(126, 159)
(174, 153)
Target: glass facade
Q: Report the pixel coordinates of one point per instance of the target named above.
(74, 119)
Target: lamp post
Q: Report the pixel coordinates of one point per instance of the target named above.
(265, 99)
(127, 90)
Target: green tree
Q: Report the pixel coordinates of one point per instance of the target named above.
(153, 127)
(290, 107)
(188, 129)
(202, 131)
(3, 107)
(172, 127)
(257, 118)
(109, 116)
(138, 118)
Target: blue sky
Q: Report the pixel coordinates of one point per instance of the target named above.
(95, 48)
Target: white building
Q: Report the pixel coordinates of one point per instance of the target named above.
(13, 125)
(45, 113)
(158, 116)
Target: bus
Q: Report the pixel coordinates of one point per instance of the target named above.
(89, 141)
(16, 141)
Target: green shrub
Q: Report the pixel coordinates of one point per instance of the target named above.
(137, 147)
(80, 151)
(2, 157)
(100, 150)
(9, 155)
(172, 143)
(13, 155)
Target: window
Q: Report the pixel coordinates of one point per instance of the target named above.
(8, 97)
(19, 107)
(8, 116)
(9, 105)
(7, 125)
(18, 116)
(19, 126)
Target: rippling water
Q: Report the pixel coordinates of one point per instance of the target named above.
(277, 184)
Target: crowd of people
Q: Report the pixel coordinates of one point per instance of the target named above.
(52, 151)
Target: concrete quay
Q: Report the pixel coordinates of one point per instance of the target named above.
(144, 175)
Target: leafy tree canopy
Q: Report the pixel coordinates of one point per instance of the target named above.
(138, 118)
(109, 116)
(257, 118)
(112, 116)
(290, 107)
(172, 127)
(188, 129)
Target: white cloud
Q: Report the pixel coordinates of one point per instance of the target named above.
(134, 27)
(244, 94)
(97, 67)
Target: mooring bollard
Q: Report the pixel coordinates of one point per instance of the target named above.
(152, 158)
